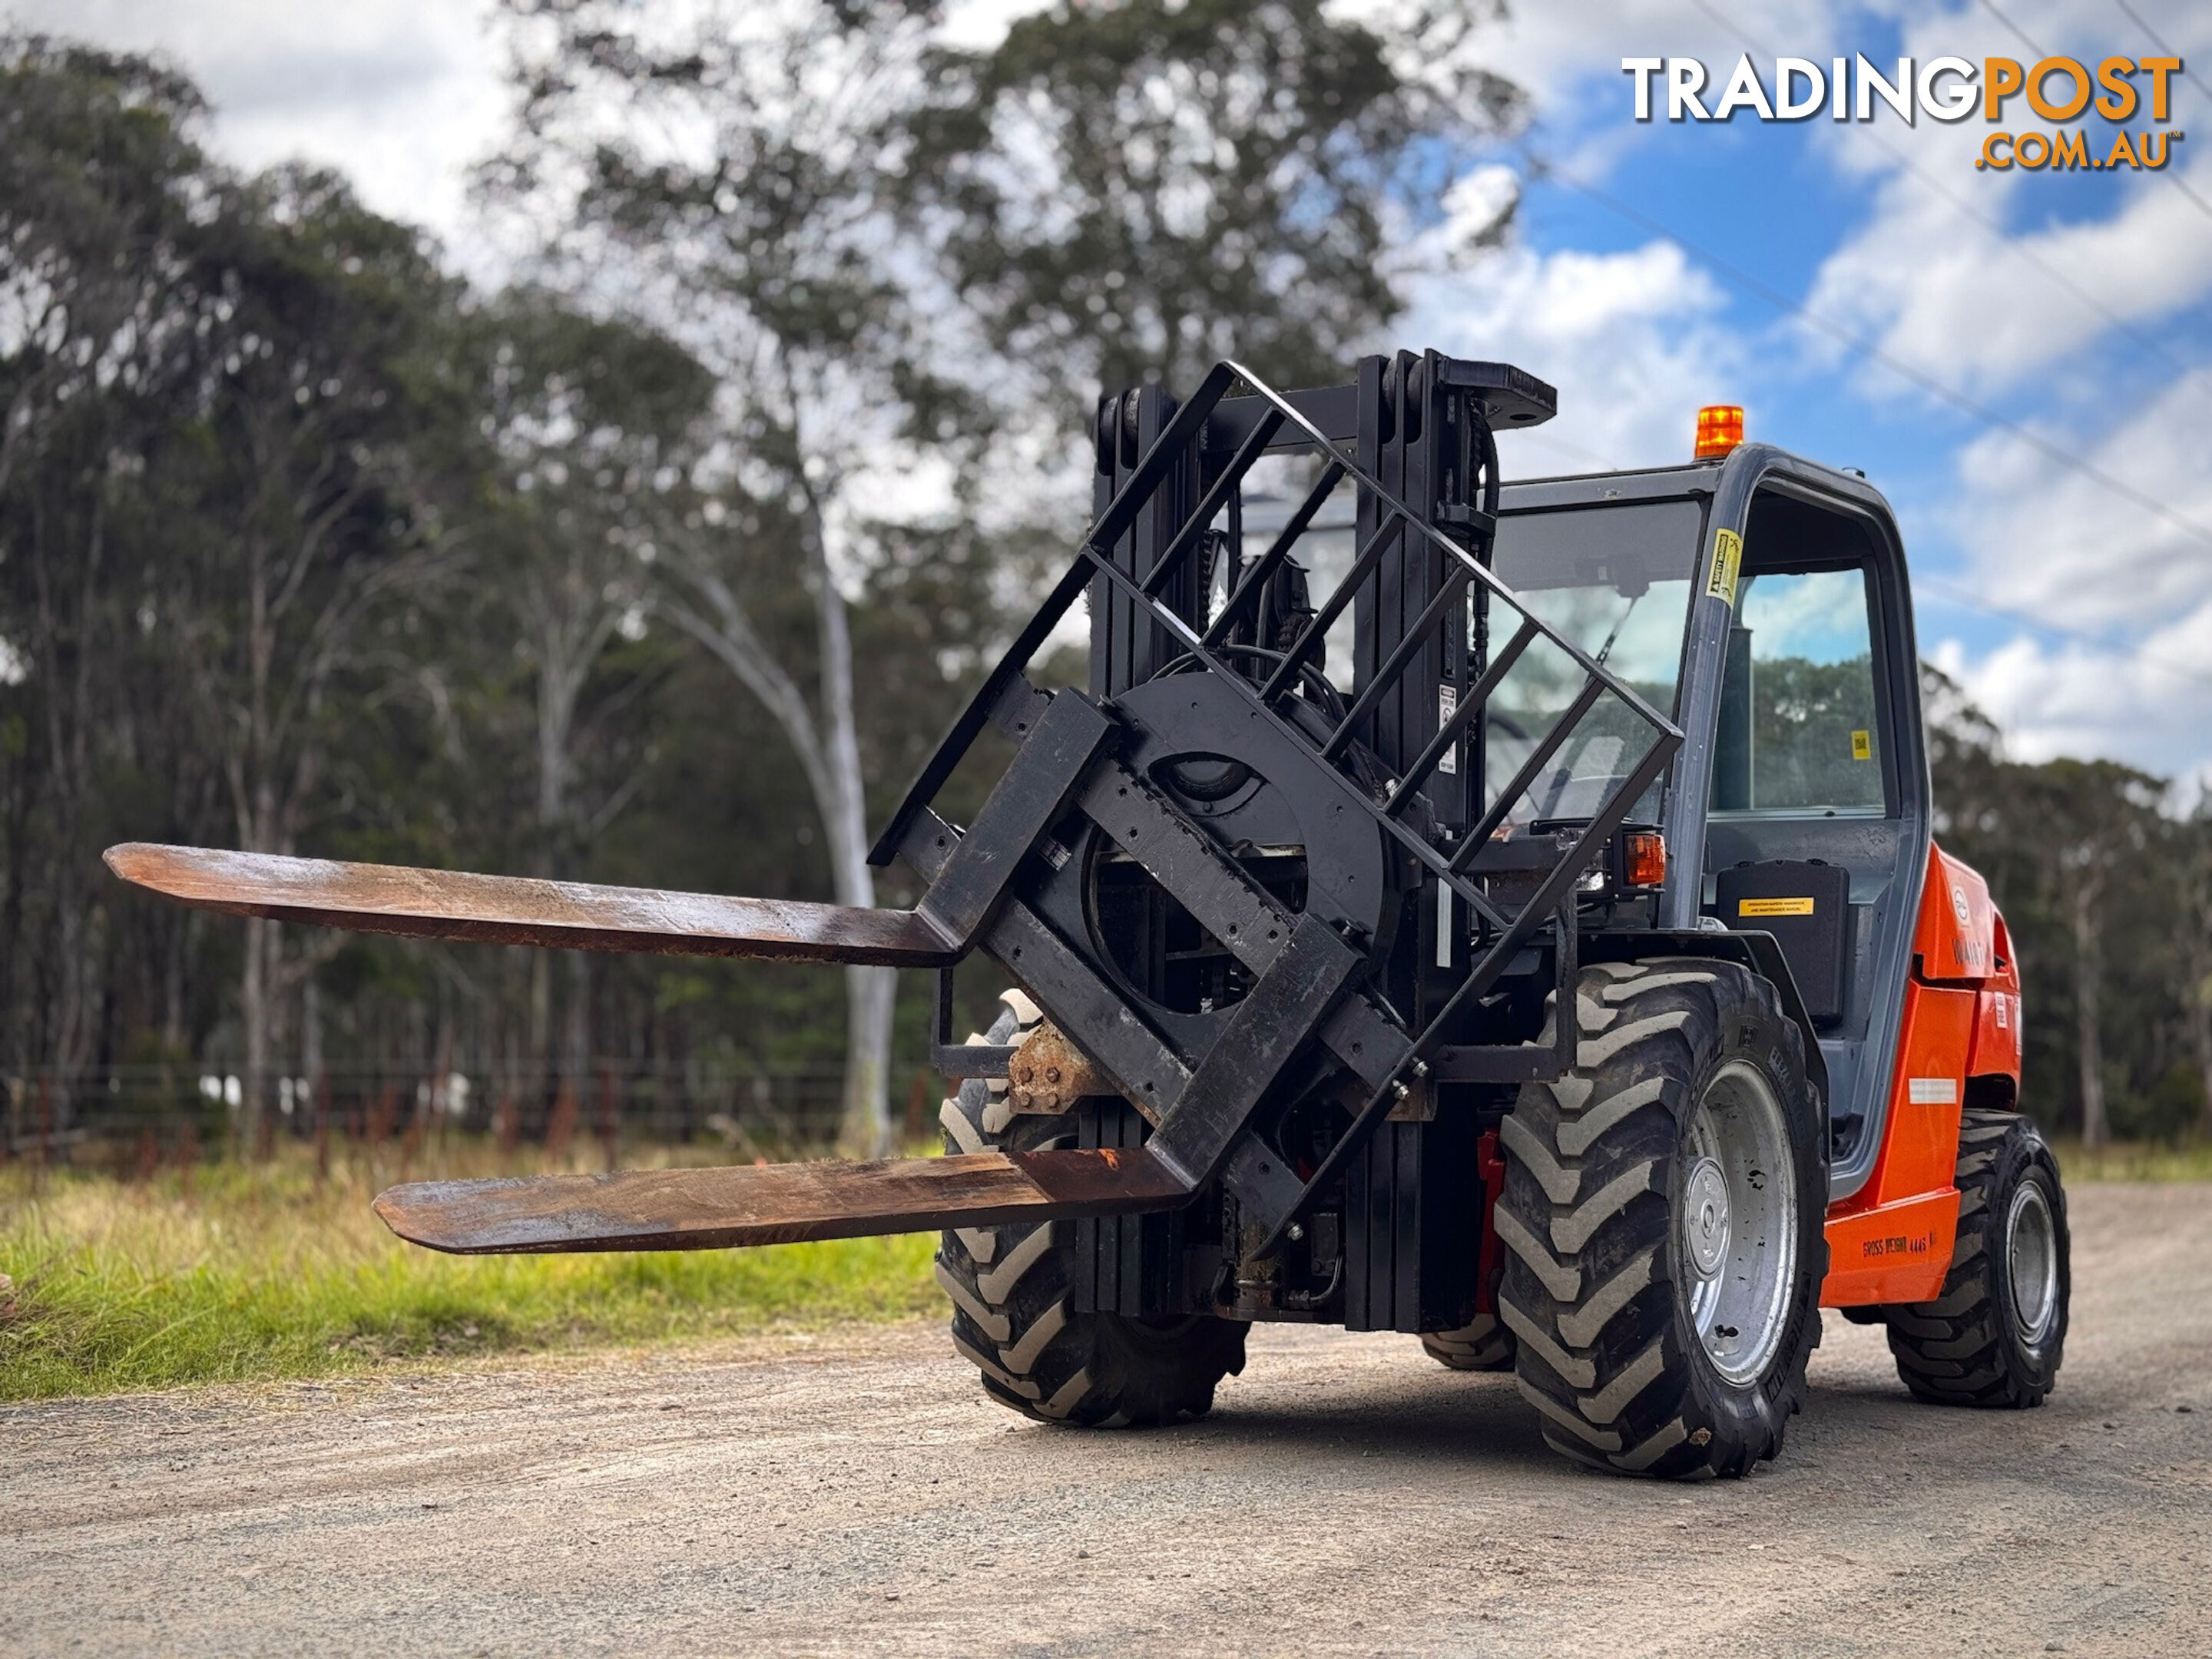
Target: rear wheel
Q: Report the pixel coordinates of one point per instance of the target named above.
(1482, 1344)
(1663, 1218)
(1012, 1314)
(1995, 1335)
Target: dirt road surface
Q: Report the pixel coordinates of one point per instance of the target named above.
(857, 1495)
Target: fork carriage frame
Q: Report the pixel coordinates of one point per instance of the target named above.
(1386, 993)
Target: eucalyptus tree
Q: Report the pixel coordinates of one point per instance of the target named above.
(591, 430)
(2094, 881)
(1132, 191)
(735, 179)
(2099, 818)
(101, 176)
(894, 251)
(319, 388)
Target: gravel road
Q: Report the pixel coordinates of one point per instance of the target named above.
(857, 1494)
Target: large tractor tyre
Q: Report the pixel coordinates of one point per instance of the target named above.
(1995, 1335)
(1013, 1316)
(1482, 1344)
(1663, 1222)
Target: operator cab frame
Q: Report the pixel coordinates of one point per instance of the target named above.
(1769, 515)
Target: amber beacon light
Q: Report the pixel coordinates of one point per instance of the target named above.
(1720, 429)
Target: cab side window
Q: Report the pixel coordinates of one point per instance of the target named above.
(1799, 730)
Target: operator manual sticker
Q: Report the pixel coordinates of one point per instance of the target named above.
(1774, 906)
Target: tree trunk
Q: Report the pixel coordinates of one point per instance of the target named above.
(828, 747)
(2195, 960)
(870, 993)
(2083, 911)
(182, 935)
(68, 621)
(569, 623)
(254, 788)
(2198, 999)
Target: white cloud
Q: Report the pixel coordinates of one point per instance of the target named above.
(401, 95)
(1985, 311)
(980, 25)
(2147, 706)
(1631, 340)
(2122, 664)
(2059, 548)
(1940, 274)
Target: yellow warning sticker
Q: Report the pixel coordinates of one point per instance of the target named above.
(1774, 906)
(1862, 746)
(1728, 557)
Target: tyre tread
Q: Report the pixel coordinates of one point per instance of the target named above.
(1585, 1222)
(1958, 1349)
(1013, 1315)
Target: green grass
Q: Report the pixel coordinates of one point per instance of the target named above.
(263, 1272)
(2135, 1161)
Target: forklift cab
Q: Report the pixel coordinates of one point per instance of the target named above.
(1799, 803)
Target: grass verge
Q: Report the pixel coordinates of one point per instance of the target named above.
(2133, 1161)
(238, 1273)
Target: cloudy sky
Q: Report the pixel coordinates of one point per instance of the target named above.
(2022, 361)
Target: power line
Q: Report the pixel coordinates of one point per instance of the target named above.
(2019, 32)
(1967, 206)
(1952, 593)
(1539, 167)
(1573, 452)
(2174, 178)
(2188, 73)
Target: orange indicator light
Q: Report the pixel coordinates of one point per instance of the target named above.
(1645, 859)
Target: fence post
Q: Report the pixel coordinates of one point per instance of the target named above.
(610, 1116)
(563, 1128)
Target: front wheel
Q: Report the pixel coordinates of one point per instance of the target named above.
(1663, 1218)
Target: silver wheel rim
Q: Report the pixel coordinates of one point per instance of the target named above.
(1738, 1222)
(2031, 1262)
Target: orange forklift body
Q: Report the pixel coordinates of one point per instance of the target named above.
(1891, 1241)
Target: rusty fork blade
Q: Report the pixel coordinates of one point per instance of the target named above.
(386, 898)
(776, 1203)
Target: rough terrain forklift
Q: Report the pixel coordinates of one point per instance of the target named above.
(1505, 914)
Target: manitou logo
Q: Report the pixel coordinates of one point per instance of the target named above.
(2060, 90)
